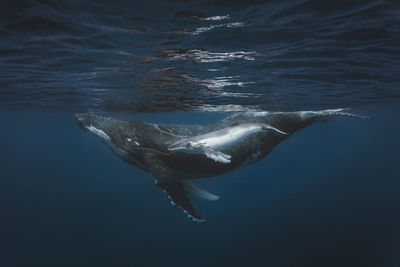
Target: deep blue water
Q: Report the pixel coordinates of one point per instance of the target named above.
(327, 196)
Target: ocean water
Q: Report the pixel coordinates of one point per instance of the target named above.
(327, 196)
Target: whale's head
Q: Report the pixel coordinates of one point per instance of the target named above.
(121, 140)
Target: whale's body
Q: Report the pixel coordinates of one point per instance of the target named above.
(177, 154)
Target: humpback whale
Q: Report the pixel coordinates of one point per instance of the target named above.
(176, 155)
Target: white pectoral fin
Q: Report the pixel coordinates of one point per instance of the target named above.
(217, 156)
(191, 187)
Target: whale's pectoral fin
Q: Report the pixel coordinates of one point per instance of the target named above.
(217, 156)
(191, 187)
(178, 195)
(173, 186)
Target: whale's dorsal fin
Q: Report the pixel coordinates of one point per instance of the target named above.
(173, 186)
(191, 187)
